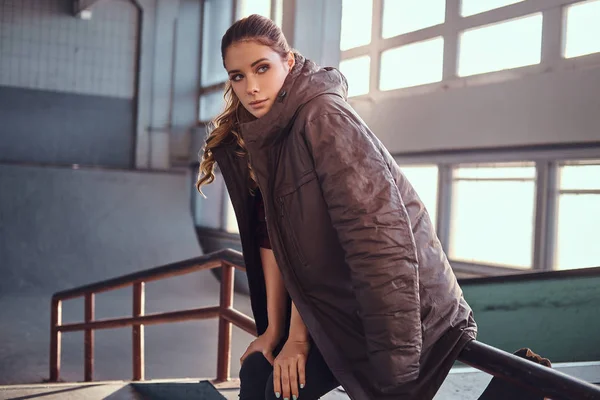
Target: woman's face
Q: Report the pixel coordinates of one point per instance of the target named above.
(256, 73)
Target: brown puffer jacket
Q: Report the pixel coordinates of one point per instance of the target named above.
(355, 245)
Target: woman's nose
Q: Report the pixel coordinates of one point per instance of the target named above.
(252, 86)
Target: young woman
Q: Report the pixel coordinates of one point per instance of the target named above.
(349, 283)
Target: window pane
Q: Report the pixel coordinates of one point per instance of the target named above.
(411, 65)
(424, 179)
(230, 219)
(495, 171)
(249, 7)
(357, 18)
(211, 105)
(578, 217)
(492, 220)
(501, 46)
(582, 29)
(401, 17)
(577, 231)
(217, 18)
(356, 71)
(580, 177)
(279, 13)
(471, 7)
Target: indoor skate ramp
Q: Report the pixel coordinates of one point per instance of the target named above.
(61, 228)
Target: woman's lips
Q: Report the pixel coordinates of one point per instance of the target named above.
(258, 104)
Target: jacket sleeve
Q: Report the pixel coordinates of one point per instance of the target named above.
(374, 231)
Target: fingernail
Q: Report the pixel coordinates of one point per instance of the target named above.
(294, 397)
(277, 394)
(302, 386)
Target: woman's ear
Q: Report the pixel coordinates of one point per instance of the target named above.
(291, 61)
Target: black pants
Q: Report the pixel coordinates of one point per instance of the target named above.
(256, 378)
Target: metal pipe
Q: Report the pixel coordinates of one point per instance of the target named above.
(55, 339)
(151, 319)
(89, 338)
(224, 349)
(137, 332)
(542, 380)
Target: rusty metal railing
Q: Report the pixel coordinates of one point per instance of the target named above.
(226, 259)
(538, 379)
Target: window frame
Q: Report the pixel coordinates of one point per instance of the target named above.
(553, 41)
(547, 161)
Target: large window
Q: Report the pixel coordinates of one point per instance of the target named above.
(492, 217)
(438, 45)
(582, 29)
(505, 45)
(578, 216)
(424, 179)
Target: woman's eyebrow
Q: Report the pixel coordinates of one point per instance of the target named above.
(251, 65)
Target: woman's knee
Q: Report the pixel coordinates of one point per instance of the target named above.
(255, 367)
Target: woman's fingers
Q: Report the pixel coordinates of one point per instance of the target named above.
(277, 379)
(293, 368)
(285, 380)
(302, 371)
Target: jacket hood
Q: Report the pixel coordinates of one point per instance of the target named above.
(305, 81)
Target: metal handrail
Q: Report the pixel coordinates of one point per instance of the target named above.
(531, 376)
(226, 259)
(538, 379)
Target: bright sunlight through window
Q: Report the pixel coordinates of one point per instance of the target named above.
(578, 217)
(492, 217)
(411, 65)
(500, 46)
(249, 7)
(424, 179)
(357, 19)
(356, 70)
(401, 17)
(582, 29)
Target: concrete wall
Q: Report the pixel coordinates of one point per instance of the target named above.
(67, 86)
(143, 106)
(558, 107)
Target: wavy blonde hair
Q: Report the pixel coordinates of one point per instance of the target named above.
(225, 127)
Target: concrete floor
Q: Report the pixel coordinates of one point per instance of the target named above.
(462, 384)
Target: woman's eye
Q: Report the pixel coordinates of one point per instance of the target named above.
(262, 69)
(236, 78)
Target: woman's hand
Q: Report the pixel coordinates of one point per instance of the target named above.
(264, 344)
(289, 368)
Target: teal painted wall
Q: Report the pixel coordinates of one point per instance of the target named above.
(557, 318)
